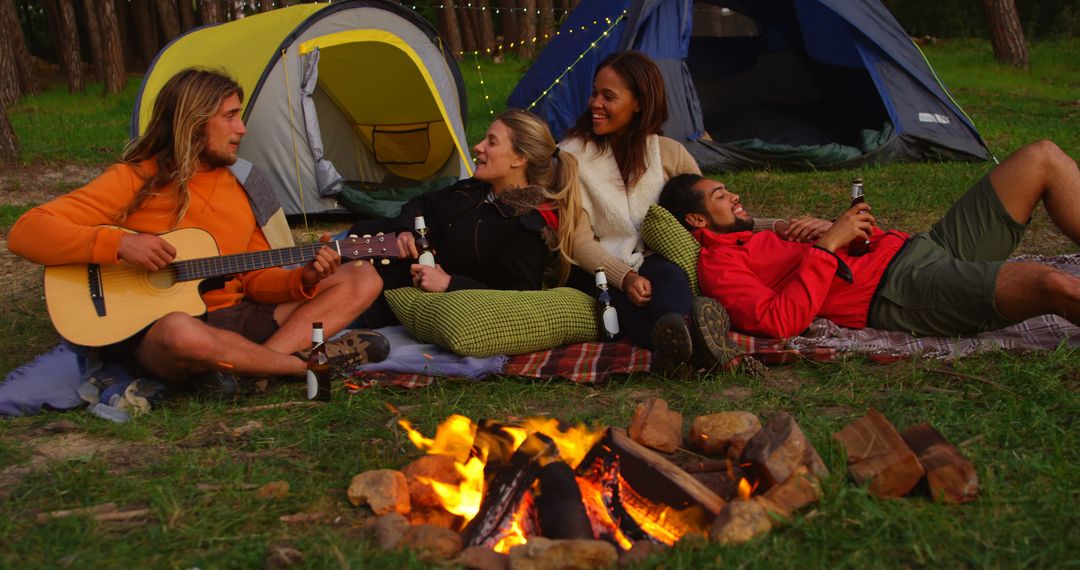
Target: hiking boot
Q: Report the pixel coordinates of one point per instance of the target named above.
(214, 383)
(710, 325)
(356, 347)
(673, 344)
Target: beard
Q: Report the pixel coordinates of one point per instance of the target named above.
(739, 225)
(216, 159)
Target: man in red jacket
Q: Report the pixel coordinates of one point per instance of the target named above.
(952, 280)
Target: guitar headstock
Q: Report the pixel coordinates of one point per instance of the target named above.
(378, 246)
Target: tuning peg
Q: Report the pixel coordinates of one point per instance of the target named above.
(367, 235)
(359, 262)
(379, 234)
(353, 236)
(385, 262)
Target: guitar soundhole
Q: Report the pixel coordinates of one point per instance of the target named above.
(162, 279)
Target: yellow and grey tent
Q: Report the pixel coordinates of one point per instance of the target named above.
(353, 91)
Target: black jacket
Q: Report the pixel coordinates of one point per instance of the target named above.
(482, 241)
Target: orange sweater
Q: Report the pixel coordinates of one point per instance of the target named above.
(69, 229)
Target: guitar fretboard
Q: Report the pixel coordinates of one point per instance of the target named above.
(208, 267)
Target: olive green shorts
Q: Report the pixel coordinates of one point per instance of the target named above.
(942, 282)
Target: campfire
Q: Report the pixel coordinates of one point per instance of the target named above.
(535, 486)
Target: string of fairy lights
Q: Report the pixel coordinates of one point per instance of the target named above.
(581, 56)
(592, 45)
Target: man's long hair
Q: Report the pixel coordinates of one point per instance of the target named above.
(176, 136)
(646, 83)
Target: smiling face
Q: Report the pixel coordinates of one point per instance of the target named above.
(497, 163)
(223, 133)
(612, 104)
(723, 211)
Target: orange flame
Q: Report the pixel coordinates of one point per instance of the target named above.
(463, 499)
(456, 437)
(745, 489)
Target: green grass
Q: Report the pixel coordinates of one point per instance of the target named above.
(1022, 441)
(487, 99)
(55, 126)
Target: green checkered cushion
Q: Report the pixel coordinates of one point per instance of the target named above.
(663, 234)
(484, 322)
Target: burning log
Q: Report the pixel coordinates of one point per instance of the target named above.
(656, 478)
(559, 506)
(509, 484)
(721, 476)
(778, 449)
(949, 475)
(876, 453)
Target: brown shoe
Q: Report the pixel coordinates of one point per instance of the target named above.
(673, 344)
(358, 346)
(712, 349)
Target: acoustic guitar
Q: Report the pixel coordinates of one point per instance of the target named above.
(94, 305)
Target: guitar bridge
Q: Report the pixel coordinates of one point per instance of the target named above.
(93, 273)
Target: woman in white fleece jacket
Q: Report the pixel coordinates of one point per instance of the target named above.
(624, 162)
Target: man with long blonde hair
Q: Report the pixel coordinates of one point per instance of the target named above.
(178, 175)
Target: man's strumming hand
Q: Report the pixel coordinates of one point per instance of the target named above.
(148, 251)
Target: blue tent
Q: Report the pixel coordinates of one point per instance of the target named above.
(750, 83)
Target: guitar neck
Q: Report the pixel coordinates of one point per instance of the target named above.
(209, 267)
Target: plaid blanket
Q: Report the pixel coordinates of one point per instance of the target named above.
(596, 362)
(826, 340)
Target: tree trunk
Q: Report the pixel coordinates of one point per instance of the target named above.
(545, 20)
(144, 32)
(236, 10)
(187, 14)
(468, 34)
(526, 21)
(508, 26)
(169, 20)
(9, 144)
(112, 56)
(67, 43)
(451, 33)
(1006, 35)
(13, 42)
(486, 27)
(9, 72)
(127, 43)
(93, 37)
(210, 12)
(262, 5)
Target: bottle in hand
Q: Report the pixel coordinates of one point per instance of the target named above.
(605, 311)
(318, 367)
(423, 246)
(858, 246)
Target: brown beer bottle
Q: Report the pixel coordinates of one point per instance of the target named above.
(858, 246)
(318, 367)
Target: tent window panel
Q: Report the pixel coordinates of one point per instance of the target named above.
(401, 144)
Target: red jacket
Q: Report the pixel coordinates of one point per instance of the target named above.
(773, 287)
